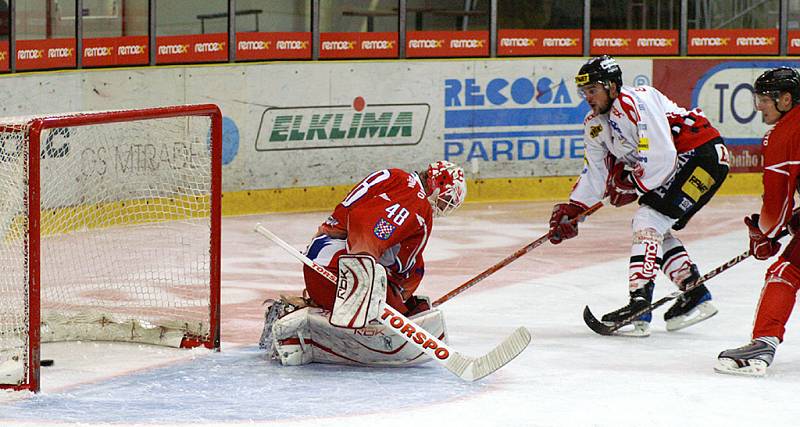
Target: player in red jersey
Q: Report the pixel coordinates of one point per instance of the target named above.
(387, 216)
(777, 96)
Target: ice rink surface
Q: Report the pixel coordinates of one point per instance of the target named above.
(568, 376)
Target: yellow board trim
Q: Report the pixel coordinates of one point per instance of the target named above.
(309, 199)
(479, 191)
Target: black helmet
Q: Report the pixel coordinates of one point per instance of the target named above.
(600, 69)
(777, 80)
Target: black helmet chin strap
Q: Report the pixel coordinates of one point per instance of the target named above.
(607, 87)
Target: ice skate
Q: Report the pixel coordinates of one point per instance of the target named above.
(640, 299)
(749, 360)
(692, 307)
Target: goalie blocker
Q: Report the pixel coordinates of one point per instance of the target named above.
(360, 291)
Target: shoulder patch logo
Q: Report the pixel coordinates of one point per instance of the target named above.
(383, 229)
(595, 131)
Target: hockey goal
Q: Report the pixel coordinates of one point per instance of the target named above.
(109, 230)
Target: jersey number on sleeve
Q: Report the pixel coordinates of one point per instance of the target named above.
(363, 187)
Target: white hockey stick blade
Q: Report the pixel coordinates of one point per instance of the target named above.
(475, 368)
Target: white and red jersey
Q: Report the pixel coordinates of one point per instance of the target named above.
(387, 215)
(781, 172)
(645, 130)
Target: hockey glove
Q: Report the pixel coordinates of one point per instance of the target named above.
(561, 225)
(761, 246)
(619, 187)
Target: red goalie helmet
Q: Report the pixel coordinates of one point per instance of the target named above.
(446, 186)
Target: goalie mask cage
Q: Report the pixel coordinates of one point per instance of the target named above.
(109, 230)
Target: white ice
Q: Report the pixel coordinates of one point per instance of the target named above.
(568, 376)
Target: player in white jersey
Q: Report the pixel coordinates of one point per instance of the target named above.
(641, 145)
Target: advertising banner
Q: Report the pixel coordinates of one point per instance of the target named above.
(539, 42)
(742, 41)
(111, 51)
(266, 46)
(793, 47)
(723, 90)
(5, 63)
(634, 42)
(358, 45)
(192, 48)
(447, 43)
(47, 53)
(522, 119)
(331, 123)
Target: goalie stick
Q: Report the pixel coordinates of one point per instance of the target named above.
(605, 329)
(465, 367)
(511, 258)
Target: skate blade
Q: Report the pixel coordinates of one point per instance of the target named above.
(702, 312)
(637, 328)
(752, 368)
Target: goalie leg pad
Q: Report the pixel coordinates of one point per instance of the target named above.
(361, 290)
(373, 345)
(291, 338)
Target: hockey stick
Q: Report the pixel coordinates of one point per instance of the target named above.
(511, 258)
(605, 329)
(465, 367)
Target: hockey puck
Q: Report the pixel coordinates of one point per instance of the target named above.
(47, 362)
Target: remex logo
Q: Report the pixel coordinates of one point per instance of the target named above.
(209, 47)
(132, 49)
(755, 41)
(795, 43)
(377, 44)
(336, 126)
(611, 42)
(559, 42)
(655, 42)
(60, 52)
(518, 42)
(24, 54)
(173, 49)
(467, 44)
(425, 44)
(291, 45)
(97, 51)
(522, 118)
(254, 45)
(710, 41)
(338, 45)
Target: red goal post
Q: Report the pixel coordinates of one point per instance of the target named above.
(110, 230)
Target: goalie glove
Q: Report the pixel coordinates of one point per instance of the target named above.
(761, 246)
(561, 225)
(619, 187)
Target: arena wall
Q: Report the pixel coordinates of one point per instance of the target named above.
(298, 135)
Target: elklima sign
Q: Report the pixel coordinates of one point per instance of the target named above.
(513, 119)
(332, 126)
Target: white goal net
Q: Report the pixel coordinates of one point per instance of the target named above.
(109, 230)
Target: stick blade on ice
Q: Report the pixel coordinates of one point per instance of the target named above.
(472, 369)
(596, 325)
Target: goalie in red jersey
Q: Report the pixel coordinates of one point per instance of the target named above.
(387, 216)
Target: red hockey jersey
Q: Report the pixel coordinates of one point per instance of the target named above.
(387, 215)
(781, 147)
